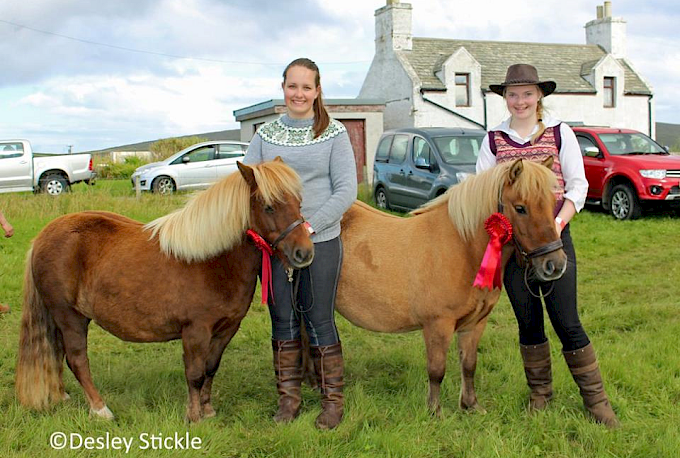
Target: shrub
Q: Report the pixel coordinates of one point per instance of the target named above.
(118, 170)
(166, 147)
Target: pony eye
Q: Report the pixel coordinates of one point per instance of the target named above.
(521, 209)
(269, 209)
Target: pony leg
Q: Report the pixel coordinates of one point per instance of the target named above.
(73, 328)
(217, 346)
(468, 341)
(437, 334)
(196, 343)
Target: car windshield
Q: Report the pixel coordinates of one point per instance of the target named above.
(459, 149)
(620, 144)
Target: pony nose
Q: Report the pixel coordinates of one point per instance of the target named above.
(302, 256)
(549, 267)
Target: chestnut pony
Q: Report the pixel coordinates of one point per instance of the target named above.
(189, 275)
(402, 274)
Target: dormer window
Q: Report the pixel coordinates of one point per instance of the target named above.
(462, 89)
(609, 92)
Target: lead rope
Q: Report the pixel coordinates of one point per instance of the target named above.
(294, 279)
(540, 294)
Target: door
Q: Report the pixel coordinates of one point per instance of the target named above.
(226, 157)
(594, 166)
(419, 180)
(196, 169)
(395, 171)
(16, 167)
(356, 129)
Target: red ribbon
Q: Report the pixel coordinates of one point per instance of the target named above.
(263, 246)
(500, 232)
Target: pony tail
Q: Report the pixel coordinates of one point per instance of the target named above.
(41, 350)
(321, 117)
(541, 126)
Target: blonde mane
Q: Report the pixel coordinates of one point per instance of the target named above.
(214, 220)
(473, 200)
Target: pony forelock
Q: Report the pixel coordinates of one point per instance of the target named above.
(473, 200)
(214, 220)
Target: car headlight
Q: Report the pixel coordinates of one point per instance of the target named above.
(460, 176)
(653, 173)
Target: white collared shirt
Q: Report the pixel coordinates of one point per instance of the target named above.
(575, 183)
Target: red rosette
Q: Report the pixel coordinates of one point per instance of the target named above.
(500, 232)
(497, 225)
(266, 249)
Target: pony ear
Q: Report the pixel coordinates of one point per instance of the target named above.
(247, 174)
(548, 162)
(515, 171)
(278, 159)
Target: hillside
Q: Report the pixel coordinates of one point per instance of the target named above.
(668, 135)
(233, 134)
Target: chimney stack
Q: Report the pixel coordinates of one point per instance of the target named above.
(393, 27)
(607, 32)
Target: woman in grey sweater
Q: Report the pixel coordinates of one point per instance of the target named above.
(319, 150)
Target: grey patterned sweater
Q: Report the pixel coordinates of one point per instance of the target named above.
(325, 165)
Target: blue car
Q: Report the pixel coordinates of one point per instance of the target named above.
(414, 165)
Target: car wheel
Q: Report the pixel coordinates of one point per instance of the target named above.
(163, 185)
(54, 184)
(381, 199)
(623, 203)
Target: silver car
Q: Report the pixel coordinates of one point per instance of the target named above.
(195, 167)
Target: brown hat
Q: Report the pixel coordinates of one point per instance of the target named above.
(521, 75)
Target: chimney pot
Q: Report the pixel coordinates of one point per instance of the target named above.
(600, 11)
(607, 9)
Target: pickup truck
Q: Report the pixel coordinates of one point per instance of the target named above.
(23, 170)
(628, 171)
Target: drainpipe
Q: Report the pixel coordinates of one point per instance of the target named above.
(649, 112)
(422, 94)
(484, 99)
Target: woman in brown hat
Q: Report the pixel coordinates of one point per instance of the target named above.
(529, 134)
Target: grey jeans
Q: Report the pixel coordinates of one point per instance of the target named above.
(314, 302)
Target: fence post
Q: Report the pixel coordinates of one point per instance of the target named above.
(138, 189)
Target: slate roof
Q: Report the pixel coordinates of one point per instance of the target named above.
(428, 55)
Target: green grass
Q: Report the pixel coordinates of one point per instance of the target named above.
(628, 292)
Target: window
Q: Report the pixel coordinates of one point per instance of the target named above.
(398, 152)
(421, 149)
(8, 150)
(384, 149)
(462, 89)
(459, 149)
(204, 153)
(585, 142)
(229, 151)
(609, 92)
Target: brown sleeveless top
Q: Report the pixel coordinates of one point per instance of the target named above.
(548, 144)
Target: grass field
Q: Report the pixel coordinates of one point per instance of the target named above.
(628, 292)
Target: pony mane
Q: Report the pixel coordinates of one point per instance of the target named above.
(214, 220)
(473, 200)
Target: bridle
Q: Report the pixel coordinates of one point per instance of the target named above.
(287, 231)
(526, 256)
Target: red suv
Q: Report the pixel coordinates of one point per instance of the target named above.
(627, 170)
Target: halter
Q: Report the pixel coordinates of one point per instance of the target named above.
(526, 256)
(267, 250)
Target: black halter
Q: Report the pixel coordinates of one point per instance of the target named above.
(540, 251)
(287, 231)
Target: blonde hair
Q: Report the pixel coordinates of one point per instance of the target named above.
(473, 200)
(214, 220)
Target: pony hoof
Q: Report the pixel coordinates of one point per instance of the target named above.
(104, 413)
(208, 411)
(475, 408)
(65, 396)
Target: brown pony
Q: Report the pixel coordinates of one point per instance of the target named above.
(189, 275)
(402, 274)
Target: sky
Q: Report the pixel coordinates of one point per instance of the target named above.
(89, 75)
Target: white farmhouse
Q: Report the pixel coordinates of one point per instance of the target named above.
(440, 82)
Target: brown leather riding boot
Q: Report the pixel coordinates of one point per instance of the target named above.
(329, 367)
(539, 374)
(583, 366)
(288, 370)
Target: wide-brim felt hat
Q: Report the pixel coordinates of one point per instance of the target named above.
(522, 75)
